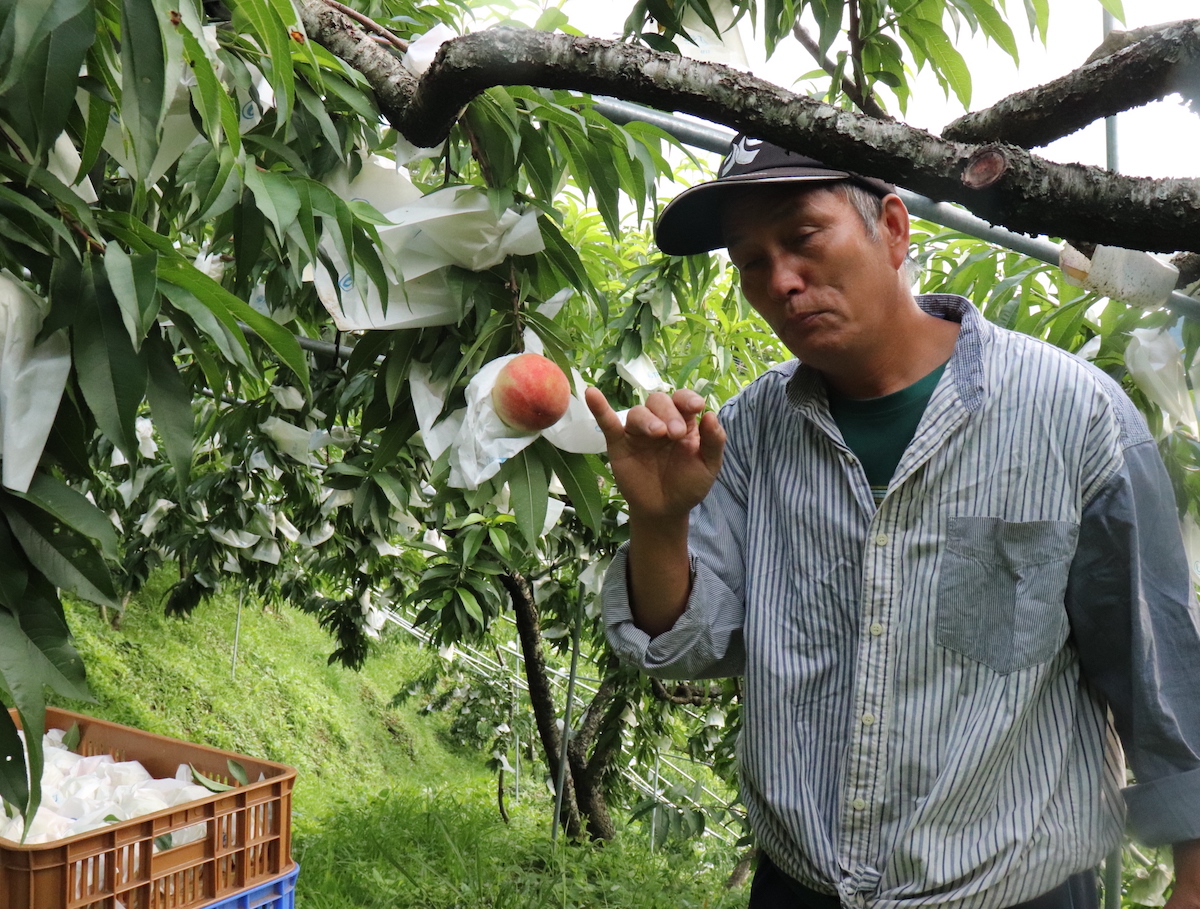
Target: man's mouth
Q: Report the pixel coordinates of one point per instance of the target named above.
(806, 318)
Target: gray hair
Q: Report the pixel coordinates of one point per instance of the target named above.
(869, 207)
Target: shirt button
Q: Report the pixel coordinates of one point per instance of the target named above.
(881, 539)
(876, 629)
(858, 804)
(868, 719)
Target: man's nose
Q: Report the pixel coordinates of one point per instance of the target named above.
(785, 278)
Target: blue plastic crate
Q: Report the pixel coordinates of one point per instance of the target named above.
(277, 894)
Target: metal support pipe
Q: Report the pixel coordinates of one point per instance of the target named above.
(312, 345)
(719, 139)
(1110, 123)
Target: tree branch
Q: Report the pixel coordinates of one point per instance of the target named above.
(1166, 61)
(856, 49)
(865, 102)
(685, 693)
(370, 24)
(1002, 183)
(541, 698)
(1189, 269)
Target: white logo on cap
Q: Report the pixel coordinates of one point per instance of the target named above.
(743, 152)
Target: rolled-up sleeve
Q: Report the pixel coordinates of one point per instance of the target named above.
(1136, 625)
(706, 641)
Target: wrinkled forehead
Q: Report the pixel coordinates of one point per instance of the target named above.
(771, 204)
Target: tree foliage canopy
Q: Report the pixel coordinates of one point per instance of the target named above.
(197, 197)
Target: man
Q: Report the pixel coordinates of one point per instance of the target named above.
(939, 552)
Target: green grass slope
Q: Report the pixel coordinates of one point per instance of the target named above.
(388, 814)
(282, 701)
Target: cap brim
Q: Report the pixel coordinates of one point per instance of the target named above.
(691, 222)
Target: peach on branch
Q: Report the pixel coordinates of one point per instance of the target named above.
(531, 393)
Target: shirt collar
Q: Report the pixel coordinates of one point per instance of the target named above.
(806, 390)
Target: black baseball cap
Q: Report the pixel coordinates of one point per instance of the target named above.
(691, 222)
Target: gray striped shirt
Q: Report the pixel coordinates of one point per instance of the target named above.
(927, 682)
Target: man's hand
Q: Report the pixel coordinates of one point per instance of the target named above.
(664, 461)
(1186, 892)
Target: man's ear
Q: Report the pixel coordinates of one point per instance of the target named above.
(894, 227)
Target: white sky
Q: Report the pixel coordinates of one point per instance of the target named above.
(1159, 140)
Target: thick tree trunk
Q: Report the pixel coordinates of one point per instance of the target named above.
(541, 697)
(589, 770)
(1021, 191)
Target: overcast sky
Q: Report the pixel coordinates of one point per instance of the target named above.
(1159, 140)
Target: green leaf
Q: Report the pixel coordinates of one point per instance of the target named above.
(111, 374)
(467, 597)
(398, 363)
(528, 491)
(208, 782)
(38, 103)
(73, 509)
(143, 79)
(53, 187)
(135, 284)
(1115, 7)
(224, 190)
(216, 325)
(71, 737)
(216, 108)
(67, 558)
(228, 308)
(828, 14)
(995, 27)
(947, 61)
(237, 771)
(261, 19)
(170, 406)
(17, 203)
(14, 784)
(578, 478)
(551, 19)
(44, 623)
(1038, 14)
(26, 27)
(274, 196)
(35, 653)
(98, 110)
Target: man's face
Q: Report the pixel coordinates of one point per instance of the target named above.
(810, 268)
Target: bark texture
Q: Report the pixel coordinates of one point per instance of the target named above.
(540, 696)
(1165, 61)
(591, 750)
(1032, 195)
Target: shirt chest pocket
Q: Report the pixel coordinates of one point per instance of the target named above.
(1000, 590)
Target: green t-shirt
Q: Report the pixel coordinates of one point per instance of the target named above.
(878, 430)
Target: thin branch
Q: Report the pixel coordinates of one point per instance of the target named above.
(368, 23)
(93, 244)
(856, 51)
(1166, 61)
(685, 693)
(865, 102)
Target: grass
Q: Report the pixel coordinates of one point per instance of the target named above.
(284, 702)
(445, 850)
(388, 811)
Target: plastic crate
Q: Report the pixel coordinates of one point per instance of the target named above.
(247, 840)
(277, 894)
